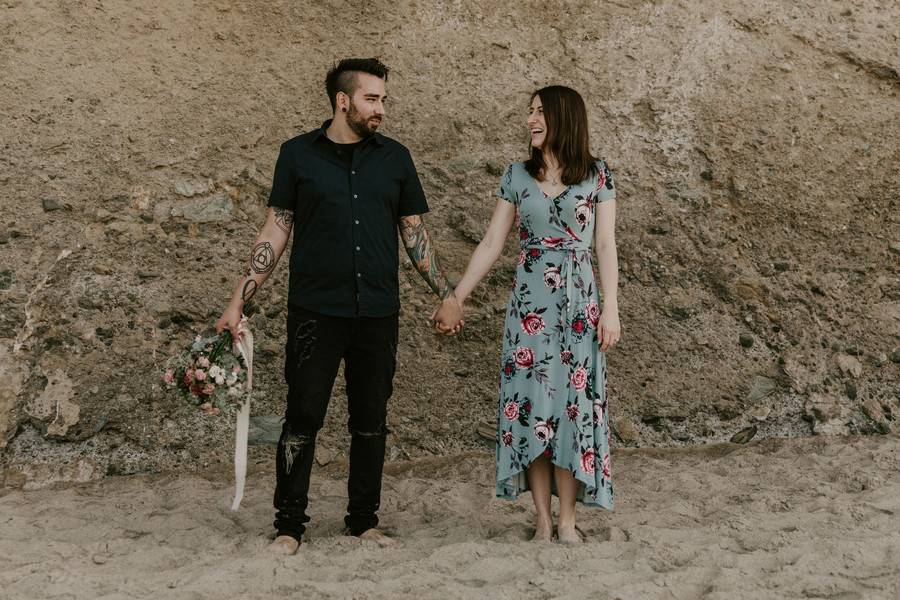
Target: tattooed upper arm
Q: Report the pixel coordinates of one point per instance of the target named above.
(421, 252)
(412, 230)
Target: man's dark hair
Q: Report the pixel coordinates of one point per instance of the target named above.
(342, 76)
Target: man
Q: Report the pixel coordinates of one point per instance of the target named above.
(344, 189)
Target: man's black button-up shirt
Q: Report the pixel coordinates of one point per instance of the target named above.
(347, 200)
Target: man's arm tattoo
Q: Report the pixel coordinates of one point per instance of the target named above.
(284, 219)
(262, 258)
(421, 252)
(249, 290)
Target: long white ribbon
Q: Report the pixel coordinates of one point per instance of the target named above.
(244, 345)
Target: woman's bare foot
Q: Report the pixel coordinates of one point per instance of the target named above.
(543, 531)
(284, 544)
(569, 535)
(374, 535)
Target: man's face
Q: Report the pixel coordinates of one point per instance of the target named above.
(366, 105)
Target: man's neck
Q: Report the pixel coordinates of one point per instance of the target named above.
(340, 133)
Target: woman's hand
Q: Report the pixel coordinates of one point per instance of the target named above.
(609, 328)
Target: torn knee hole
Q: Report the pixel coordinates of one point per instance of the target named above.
(369, 434)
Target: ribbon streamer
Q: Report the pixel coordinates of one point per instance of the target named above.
(243, 345)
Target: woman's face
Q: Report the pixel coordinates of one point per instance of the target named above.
(537, 127)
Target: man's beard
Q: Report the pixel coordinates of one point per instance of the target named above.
(360, 126)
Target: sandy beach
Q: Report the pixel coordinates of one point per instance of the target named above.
(810, 518)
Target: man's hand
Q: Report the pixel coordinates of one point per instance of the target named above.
(448, 316)
(230, 319)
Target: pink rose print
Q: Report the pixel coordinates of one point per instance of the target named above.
(593, 314)
(524, 357)
(534, 252)
(588, 458)
(572, 233)
(169, 377)
(521, 257)
(578, 325)
(533, 323)
(511, 411)
(526, 408)
(606, 469)
(598, 411)
(553, 278)
(601, 180)
(507, 438)
(509, 368)
(579, 378)
(572, 412)
(552, 242)
(543, 431)
(565, 356)
(583, 213)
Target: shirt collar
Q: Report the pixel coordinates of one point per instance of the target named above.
(377, 138)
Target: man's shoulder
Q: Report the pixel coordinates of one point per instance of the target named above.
(300, 142)
(391, 143)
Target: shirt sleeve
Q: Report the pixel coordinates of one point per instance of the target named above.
(606, 189)
(505, 190)
(284, 182)
(412, 196)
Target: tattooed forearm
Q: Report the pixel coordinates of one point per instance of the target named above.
(284, 219)
(421, 252)
(248, 291)
(262, 258)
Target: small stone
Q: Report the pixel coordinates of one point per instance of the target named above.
(625, 431)
(101, 270)
(849, 365)
(760, 413)
(188, 188)
(210, 209)
(782, 266)
(4, 237)
(147, 275)
(706, 175)
(895, 247)
(850, 390)
(6, 279)
(746, 340)
(744, 435)
(51, 204)
(324, 456)
(102, 215)
(100, 558)
(786, 67)
(853, 351)
(895, 355)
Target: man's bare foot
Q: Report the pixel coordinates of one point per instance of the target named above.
(373, 535)
(543, 531)
(569, 535)
(284, 544)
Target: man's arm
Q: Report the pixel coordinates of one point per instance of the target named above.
(266, 251)
(420, 250)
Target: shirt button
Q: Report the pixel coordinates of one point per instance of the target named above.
(357, 248)
(357, 222)
(353, 172)
(355, 196)
(359, 274)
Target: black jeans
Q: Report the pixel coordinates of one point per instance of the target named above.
(316, 344)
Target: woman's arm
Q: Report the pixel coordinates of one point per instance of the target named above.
(488, 250)
(608, 265)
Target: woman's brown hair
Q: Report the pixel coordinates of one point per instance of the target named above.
(566, 135)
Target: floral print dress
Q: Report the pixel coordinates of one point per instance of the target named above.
(552, 374)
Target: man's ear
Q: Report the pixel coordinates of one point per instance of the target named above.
(342, 101)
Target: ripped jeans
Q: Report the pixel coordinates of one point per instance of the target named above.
(316, 345)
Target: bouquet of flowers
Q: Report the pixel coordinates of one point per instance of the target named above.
(209, 374)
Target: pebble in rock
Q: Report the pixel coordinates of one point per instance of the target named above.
(895, 356)
(746, 340)
(744, 435)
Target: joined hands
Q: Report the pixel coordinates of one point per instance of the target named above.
(447, 318)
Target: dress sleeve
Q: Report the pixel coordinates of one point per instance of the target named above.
(284, 182)
(506, 190)
(605, 189)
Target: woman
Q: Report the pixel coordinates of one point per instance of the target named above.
(553, 431)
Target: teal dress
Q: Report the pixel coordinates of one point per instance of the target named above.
(552, 373)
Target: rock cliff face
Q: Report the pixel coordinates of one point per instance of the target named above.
(755, 147)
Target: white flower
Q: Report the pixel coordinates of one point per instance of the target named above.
(220, 380)
(234, 391)
(215, 371)
(232, 379)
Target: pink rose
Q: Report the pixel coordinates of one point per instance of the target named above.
(588, 458)
(606, 468)
(532, 323)
(199, 375)
(598, 411)
(169, 377)
(509, 368)
(534, 252)
(552, 242)
(208, 389)
(543, 431)
(507, 438)
(524, 357)
(572, 412)
(203, 362)
(511, 411)
(188, 378)
(236, 369)
(579, 378)
(593, 314)
(583, 213)
(553, 277)
(521, 257)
